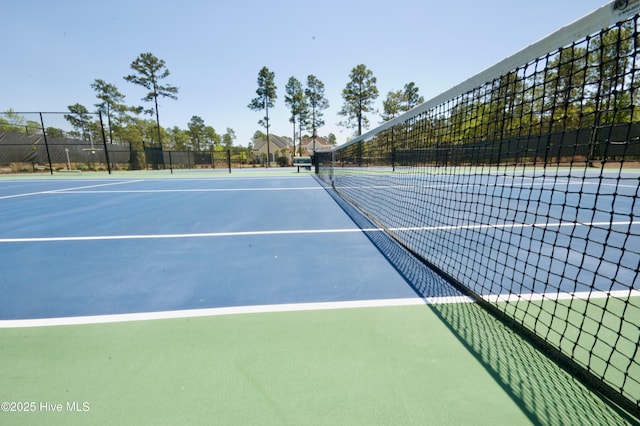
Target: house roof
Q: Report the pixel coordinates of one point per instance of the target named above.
(277, 142)
(321, 143)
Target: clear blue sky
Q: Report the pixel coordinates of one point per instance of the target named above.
(54, 50)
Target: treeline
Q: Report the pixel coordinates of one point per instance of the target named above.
(140, 126)
(306, 102)
(593, 83)
(127, 123)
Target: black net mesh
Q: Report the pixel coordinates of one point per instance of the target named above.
(524, 190)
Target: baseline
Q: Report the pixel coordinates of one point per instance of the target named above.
(232, 310)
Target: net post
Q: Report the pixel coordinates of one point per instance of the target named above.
(229, 159)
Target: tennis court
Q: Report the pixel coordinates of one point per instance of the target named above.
(98, 237)
(474, 260)
(151, 299)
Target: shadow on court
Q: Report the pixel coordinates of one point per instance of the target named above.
(546, 393)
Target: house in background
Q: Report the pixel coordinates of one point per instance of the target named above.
(279, 147)
(308, 145)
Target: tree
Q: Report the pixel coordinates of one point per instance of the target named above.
(212, 138)
(358, 95)
(12, 122)
(112, 101)
(196, 131)
(400, 101)
(79, 119)
(332, 139)
(392, 105)
(410, 97)
(298, 105)
(315, 95)
(178, 138)
(228, 138)
(54, 132)
(266, 99)
(150, 70)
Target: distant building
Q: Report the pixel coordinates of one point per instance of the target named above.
(279, 146)
(307, 145)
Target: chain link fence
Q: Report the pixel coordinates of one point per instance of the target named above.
(49, 142)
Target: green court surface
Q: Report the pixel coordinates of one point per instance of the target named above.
(164, 174)
(411, 365)
(598, 326)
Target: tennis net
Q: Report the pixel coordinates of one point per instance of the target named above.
(521, 186)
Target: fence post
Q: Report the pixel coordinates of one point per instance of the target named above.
(46, 145)
(104, 143)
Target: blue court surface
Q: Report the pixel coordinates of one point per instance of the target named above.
(82, 258)
(539, 227)
(77, 247)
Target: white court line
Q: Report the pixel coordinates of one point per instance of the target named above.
(552, 185)
(585, 295)
(63, 190)
(195, 235)
(208, 312)
(160, 191)
(514, 226)
(310, 231)
(299, 307)
(221, 177)
(93, 186)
